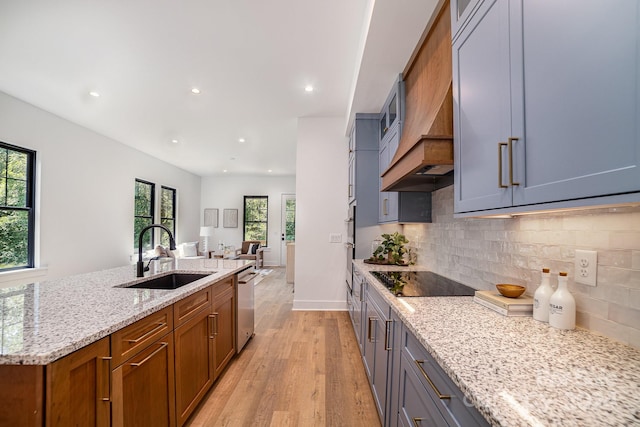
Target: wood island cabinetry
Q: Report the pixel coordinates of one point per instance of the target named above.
(78, 387)
(224, 312)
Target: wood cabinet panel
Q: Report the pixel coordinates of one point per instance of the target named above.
(224, 312)
(78, 389)
(194, 362)
(143, 387)
(131, 339)
(21, 393)
(185, 309)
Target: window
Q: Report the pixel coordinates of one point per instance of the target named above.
(167, 213)
(17, 196)
(255, 218)
(145, 195)
(290, 219)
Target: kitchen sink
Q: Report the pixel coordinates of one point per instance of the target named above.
(170, 281)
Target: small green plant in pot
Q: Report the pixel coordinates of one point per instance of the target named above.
(391, 249)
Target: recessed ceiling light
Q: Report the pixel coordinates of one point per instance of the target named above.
(224, 170)
(175, 141)
(241, 140)
(269, 171)
(308, 88)
(195, 90)
(94, 94)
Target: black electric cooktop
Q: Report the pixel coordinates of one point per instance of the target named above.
(421, 284)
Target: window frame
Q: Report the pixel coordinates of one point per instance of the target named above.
(152, 212)
(173, 218)
(245, 222)
(30, 198)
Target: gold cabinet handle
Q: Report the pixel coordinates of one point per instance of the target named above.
(212, 334)
(160, 326)
(215, 318)
(387, 332)
(426, 377)
(417, 421)
(370, 328)
(108, 376)
(146, 359)
(350, 188)
(510, 144)
(500, 145)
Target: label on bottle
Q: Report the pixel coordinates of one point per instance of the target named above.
(555, 309)
(536, 303)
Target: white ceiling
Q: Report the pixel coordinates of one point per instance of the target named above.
(251, 59)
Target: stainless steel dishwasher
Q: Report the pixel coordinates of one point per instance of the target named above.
(245, 318)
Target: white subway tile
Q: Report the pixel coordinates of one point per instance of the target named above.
(612, 293)
(635, 260)
(592, 239)
(625, 240)
(610, 329)
(625, 315)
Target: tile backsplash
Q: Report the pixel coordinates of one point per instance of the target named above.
(481, 252)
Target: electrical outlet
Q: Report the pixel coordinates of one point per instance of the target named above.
(586, 267)
(335, 237)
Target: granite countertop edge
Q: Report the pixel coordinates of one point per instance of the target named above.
(480, 365)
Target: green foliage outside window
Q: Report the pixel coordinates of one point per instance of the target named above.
(15, 209)
(144, 196)
(167, 213)
(256, 216)
(290, 220)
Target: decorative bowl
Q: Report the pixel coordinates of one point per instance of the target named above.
(510, 291)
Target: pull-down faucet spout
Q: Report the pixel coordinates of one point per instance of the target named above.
(140, 263)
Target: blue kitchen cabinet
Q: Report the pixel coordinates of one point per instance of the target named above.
(546, 105)
(363, 147)
(461, 10)
(379, 329)
(355, 303)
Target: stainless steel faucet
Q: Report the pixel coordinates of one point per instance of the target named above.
(140, 263)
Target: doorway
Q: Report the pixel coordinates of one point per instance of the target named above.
(288, 225)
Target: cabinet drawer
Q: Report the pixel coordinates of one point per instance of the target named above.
(185, 309)
(131, 339)
(416, 408)
(222, 287)
(437, 384)
(381, 304)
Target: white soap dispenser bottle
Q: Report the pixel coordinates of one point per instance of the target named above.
(562, 306)
(541, 298)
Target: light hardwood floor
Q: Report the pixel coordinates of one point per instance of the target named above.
(300, 369)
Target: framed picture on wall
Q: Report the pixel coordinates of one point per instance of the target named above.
(230, 218)
(211, 217)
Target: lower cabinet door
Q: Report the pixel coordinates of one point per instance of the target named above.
(78, 387)
(143, 387)
(416, 408)
(224, 312)
(194, 353)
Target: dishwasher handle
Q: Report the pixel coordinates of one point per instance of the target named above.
(247, 278)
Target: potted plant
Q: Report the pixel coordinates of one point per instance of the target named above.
(391, 250)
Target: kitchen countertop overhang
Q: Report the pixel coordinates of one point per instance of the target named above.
(42, 322)
(520, 372)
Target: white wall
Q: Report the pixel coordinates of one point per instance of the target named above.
(227, 192)
(86, 190)
(321, 208)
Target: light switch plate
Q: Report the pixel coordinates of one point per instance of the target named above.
(586, 267)
(335, 237)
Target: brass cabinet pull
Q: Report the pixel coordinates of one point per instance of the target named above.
(426, 377)
(384, 207)
(161, 325)
(108, 376)
(417, 421)
(387, 332)
(350, 187)
(500, 145)
(215, 318)
(510, 144)
(212, 334)
(369, 331)
(146, 359)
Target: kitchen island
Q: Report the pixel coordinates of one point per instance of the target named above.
(83, 346)
(520, 372)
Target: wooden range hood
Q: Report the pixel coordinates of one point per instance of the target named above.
(424, 158)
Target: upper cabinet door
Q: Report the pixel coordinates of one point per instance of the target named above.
(578, 114)
(482, 115)
(461, 10)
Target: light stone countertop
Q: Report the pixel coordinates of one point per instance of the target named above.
(521, 372)
(42, 322)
